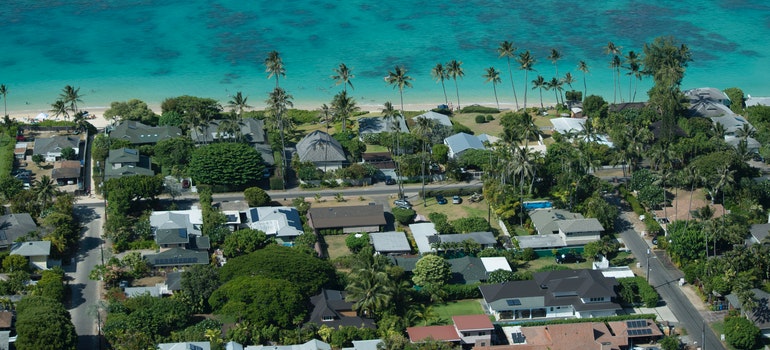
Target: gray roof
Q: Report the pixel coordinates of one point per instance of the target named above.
(759, 232)
(421, 232)
(483, 238)
(171, 236)
(313, 344)
(196, 345)
(708, 109)
(751, 143)
(31, 248)
(545, 220)
(13, 226)
(731, 122)
(365, 344)
(405, 262)
(376, 125)
(761, 314)
(570, 285)
(351, 216)
(438, 117)
(707, 93)
(178, 257)
(757, 101)
(467, 270)
(580, 225)
(253, 131)
(127, 170)
(131, 292)
(332, 304)
(188, 219)
(267, 153)
(564, 124)
(461, 142)
(55, 144)
(541, 241)
(123, 155)
(138, 133)
(386, 242)
(319, 146)
(174, 281)
(278, 221)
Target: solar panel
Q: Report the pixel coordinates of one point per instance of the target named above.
(636, 324)
(518, 338)
(513, 302)
(636, 332)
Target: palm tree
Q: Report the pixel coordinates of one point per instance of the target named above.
(634, 68)
(507, 50)
(613, 50)
(398, 79)
(615, 64)
(746, 131)
(278, 102)
(454, 70)
(493, 76)
(343, 106)
(81, 124)
(238, 103)
(71, 97)
(342, 75)
(4, 92)
(274, 66)
(45, 190)
(583, 67)
(526, 63)
(554, 57)
(569, 79)
(326, 116)
(424, 128)
(439, 74)
(59, 108)
(369, 290)
(538, 83)
(230, 127)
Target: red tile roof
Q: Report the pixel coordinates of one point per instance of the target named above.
(441, 333)
(472, 322)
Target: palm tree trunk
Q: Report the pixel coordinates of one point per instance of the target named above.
(283, 147)
(617, 72)
(510, 75)
(526, 76)
(541, 99)
(585, 87)
(457, 90)
(494, 87)
(443, 87)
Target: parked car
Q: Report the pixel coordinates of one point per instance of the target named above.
(390, 181)
(441, 200)
(403, 204)
(456, 200)
(185, 183)
(655, 240)
(476, 197)
(567, 258)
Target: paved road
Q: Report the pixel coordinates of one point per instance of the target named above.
(85, 292)
(664, 277)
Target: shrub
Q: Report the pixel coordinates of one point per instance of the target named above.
(357, 241)
(458, 128)
(741, 333)
(528, 254)
(489, 118)
(479, 109)
(256, 197)
(403, 216)
(462, 291)
(480, 119)
(276, 183)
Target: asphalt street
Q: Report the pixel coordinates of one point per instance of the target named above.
(85, 299)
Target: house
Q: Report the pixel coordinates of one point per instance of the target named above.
(440, 119)
(567, 126)
(360, 218)
(546, 221)
(760, 315)
(731, 123)
(467, 330)
(484, 239)
(467, 270)
(331, 309)
(191, 219)
(614, 335)
(283, 223)
(252, 130)
(6, 320)
(178, 257)
(376, 125)
(390, 243)
(322, 150)
(15, 226)
(494, 263)
(140, 134)
(132, 292)
(67, 172)
(313, 344)
(172, 284)
(20, 150)
(36, 251)
(461, 142)
(405, 262)
(552, 294)
(126, 162)
(580, 231)
(51, 147)
(758, 232)
(198, 345)
(752, 145)
(373, 344)
(423, 233)
(706, 94)
(488, 139)
(757, 101)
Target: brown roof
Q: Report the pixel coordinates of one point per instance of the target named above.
(6, 317)
(621, 328)
(352, 216)
(441, 333)
(67, 169)
(588, 335)
(67, 164)
(472, 322)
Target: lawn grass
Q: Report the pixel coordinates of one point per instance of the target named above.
(335, 246)
(6, 154)
(537, 264)
(469, 119)
(454, 211)
(375, 148)
(456, 308)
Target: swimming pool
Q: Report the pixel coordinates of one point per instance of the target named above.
(537, 205)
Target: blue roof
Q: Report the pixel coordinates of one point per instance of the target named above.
(460, 142)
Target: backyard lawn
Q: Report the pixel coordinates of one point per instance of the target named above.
(335, 246)
(456, 308)
(454, 211)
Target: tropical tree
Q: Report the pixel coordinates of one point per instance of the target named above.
(613, 50)
(507, 50)
(342, 75)
(634, 71)
(230, 128)
(81, 123)
(554, 57)
(424, 128)
(492, 75)
(238, 103)
(369, 290)
(4, 92)
(59, 108)
(398, 79)
(45, 190)
(526, 63)
(278, 102)
(538, 83)
(454, 70)
(665, 61)
(439, 74)
(274, 66)
(569, 79)
(745, 131)
(71, 96)
(343, 107)
(615, 64)
(583, 67)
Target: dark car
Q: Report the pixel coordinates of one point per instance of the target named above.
(402, 203)
(185, 183)
(390, 181)
(456, 200)
(440, 199)
(567, 258)
(655, 240)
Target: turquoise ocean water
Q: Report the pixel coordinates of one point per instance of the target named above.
(150, 49)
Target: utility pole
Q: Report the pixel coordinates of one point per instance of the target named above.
(648, 265)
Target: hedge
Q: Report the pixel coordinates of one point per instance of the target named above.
(462, 291)
(635, 205)
(479, 109)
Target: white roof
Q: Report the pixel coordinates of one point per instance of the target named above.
(188, 219)
(618, 272)
(278, 221)
(488, 138)
(139, 291)
(564, 125)
(31, 248)
(757, 101)
(421, 232)
(461, 141)
(196, 345)
(541, 241)
(386, 242)
(496, 263)
(438, 117)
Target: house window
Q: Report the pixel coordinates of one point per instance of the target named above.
(513, 302)
(596, 299)
(328, 318)
(482, 333)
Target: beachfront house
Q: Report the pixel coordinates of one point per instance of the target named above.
(322, 150)
(376, 125)
(51, 147)
(552, 294)
(251, 131)
(438, 118)
(140, 134)
(126, 162)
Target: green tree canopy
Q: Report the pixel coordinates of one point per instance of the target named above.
(226, 164)
(307, 272)
(245, 241)
(198, 282)
(134, 109)
(471, 224)
(262, 301)
(403, 216)
(187, 104)
(741, 333)
(136, 187)
(431, 270)
(357, 241)
(154, 318)
(44, 323)
(256, 197)
(175, 152)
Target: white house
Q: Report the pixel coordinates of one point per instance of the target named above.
(461, 142)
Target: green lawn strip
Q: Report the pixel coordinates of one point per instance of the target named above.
(6, 154)
(456, 308)
(537, 264)
(375, 148)
(335, 246)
